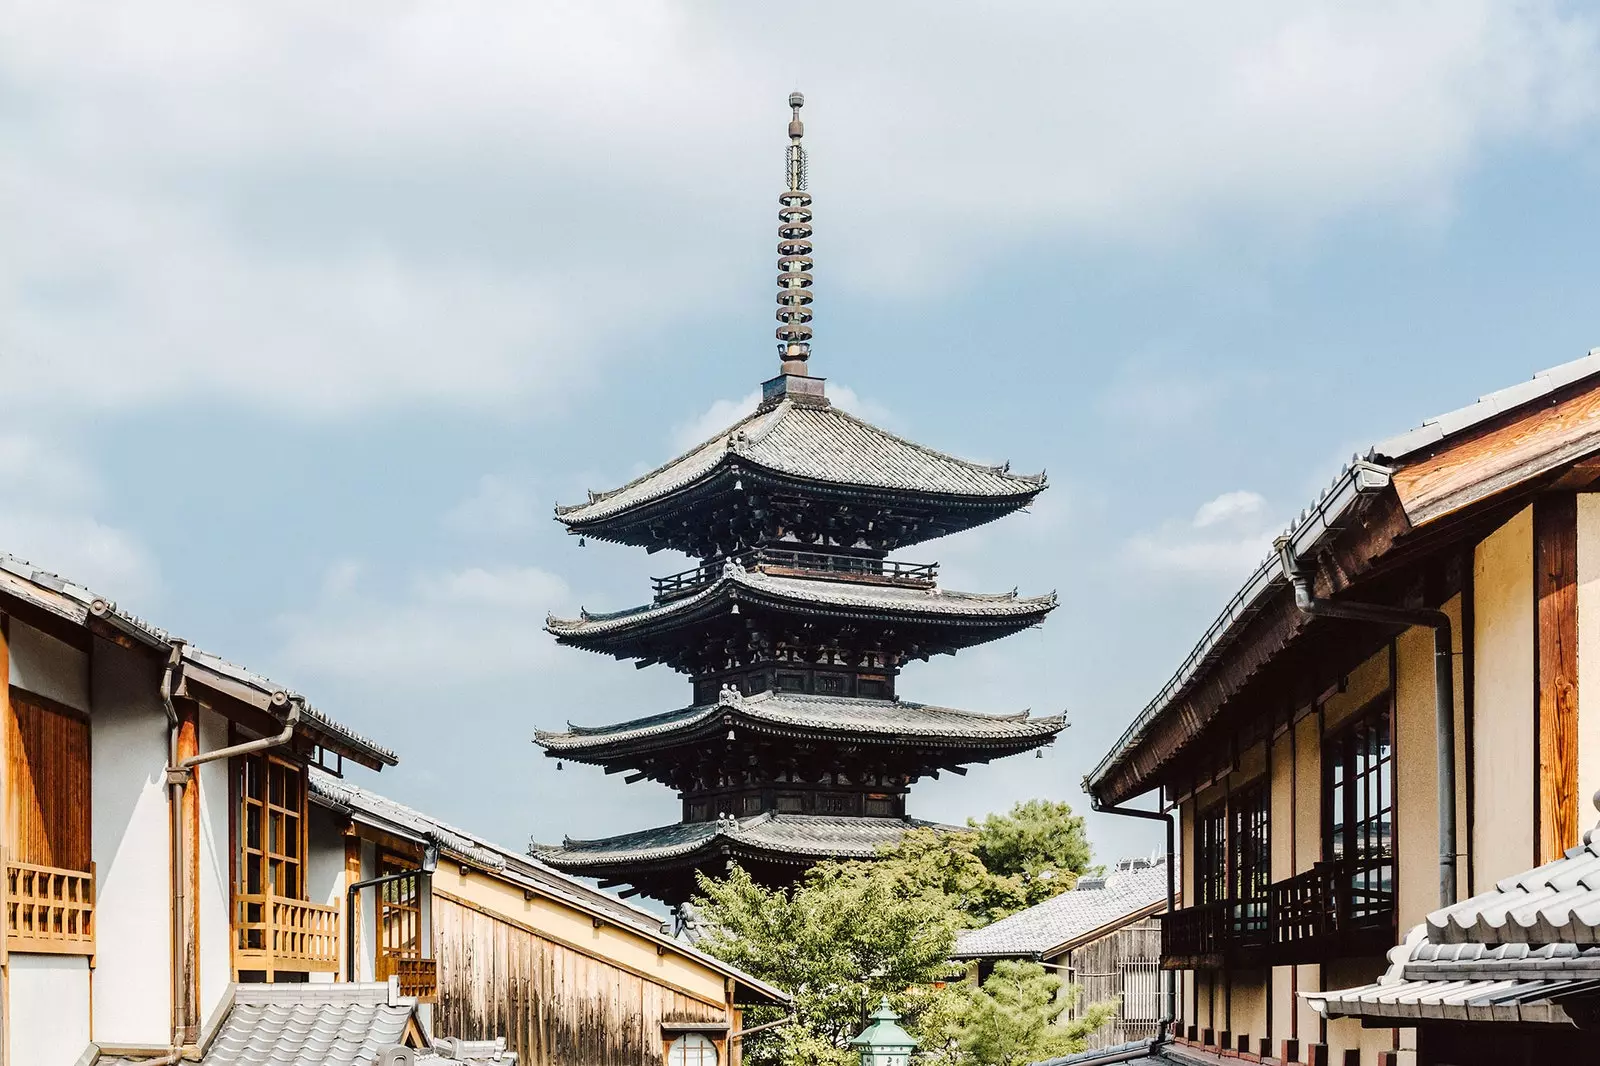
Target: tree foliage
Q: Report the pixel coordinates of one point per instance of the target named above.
(852, 932)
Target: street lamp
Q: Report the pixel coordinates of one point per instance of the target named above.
(884, 1043)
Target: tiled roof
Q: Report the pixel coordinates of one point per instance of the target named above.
(1062, 919)
(1518, 952)
(887, 719)
(808, 835)
(1132, 1051)
(736, 581)
(79, 604)
(819, 443)
(1367, 473)
(516, 867)
(313, 1024)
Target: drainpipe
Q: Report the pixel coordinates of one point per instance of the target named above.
(179, 774)
(1444, 700)
(1169, 1010)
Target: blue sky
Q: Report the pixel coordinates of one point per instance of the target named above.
(308, 317)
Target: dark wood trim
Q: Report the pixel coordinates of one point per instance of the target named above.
(1469, 623)
(1555, 575)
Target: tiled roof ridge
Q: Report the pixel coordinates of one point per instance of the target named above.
(755, 704)
(806, 591)
(1038, 481)
(91, 604)
(1314, 520)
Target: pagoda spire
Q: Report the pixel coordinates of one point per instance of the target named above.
(794, 253)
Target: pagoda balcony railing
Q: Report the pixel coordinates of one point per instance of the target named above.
(1225, 932)
(1336, 908)
(828, 566)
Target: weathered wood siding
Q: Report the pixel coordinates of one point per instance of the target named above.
(47, 793)
(1122, 966)
(556, 1006)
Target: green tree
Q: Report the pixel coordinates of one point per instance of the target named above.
(838, 941)
(1035, 851)
(1014, 1019)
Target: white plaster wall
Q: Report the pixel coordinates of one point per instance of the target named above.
(48, 1013)
(1588, 654)
(1503, 710)
(325, 869)
(216, 954)
(43, 665)
(132, 976)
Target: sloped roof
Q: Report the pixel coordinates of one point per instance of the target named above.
(1523, 951)
(737, 581)
(770, 833)
(516, 867)
(1049, 926)
(889, 720)
(1367, 474)
(814, 442)
(80, 605)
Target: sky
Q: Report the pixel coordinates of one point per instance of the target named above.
(310, 313)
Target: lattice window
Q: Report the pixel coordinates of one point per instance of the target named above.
(1211, 854)
(270, 841)
(399, 915)
(1358, 811)
(1251, 876)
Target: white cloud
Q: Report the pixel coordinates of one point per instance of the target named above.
(322, 209)
(1227, 537)
(501, 506)
(471, 624)
(49, 518)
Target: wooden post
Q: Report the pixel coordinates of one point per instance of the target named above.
(352, 874)
(188, 976)
(1555, 591)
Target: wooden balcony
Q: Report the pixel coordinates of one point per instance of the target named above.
(827, 566)
(417, 978)
(48, 911)
(1340, 908)
(1225, 933)
(273, 934)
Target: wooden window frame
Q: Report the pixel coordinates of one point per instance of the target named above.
(393, 907)
(1358, 778)
(1211, 854)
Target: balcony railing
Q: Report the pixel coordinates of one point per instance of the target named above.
(417, 978)
(1192, 936)
(1345, 906)
(273, 933)
(48, 911)
(825, 565)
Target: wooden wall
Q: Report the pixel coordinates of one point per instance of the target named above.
(47, 783)
(555, 1006)
(1124, 962)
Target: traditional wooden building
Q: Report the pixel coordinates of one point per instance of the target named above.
(1102, 938)
(185, 872)
(1394, 715)
(794, 626)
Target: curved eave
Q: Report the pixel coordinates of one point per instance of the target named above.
(980, 735)
(622, 526)
(810, 596)
(801, 442)
(708, 841)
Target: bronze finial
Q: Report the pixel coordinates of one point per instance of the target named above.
(794, 253)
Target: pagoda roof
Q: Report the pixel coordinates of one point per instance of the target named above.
(813, 442)
(769, 836)
(793, 713)
(736, 583)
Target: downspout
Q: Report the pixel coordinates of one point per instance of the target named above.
(1444, 699)
(179, 775)
(1169, 1009)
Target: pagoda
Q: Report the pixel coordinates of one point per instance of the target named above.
(793, 628)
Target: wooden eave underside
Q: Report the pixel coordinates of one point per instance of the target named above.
(1284, 658)
(632, 526)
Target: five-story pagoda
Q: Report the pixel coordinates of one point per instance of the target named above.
(795, 626)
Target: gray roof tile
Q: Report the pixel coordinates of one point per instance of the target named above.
(820, 443)
(818, 835)
(893, 719)
(815, 593)
(1064, 918)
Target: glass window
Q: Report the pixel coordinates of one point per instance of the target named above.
(1252, 857)
(1211, 853)
(692, 1049)
(1358, 816)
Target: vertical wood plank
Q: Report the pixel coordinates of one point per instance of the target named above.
(188, 976)
(1555, 576)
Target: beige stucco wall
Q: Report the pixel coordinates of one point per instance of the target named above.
(1250, 1005)
(1588, 654)
(1503, 709)
(1361, 685)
